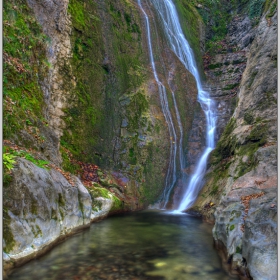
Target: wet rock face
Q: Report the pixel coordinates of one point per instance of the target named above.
(225, 67)
(258, 92)
(246, 218)
(242, 178)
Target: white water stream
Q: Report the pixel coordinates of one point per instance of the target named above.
(180, 46)
(171, 172)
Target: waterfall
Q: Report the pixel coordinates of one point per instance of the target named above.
(171, 171)
(180, 46)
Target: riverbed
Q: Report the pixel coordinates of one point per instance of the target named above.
(155, 245)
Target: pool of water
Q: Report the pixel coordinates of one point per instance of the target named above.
(145, 245)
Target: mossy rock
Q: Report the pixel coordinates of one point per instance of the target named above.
(8, 236)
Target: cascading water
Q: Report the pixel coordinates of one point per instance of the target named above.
(171, 172)
(180, 46)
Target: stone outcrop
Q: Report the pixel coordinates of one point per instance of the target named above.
(224, 68)
(239, 196)
(56, 24)
(41, 208)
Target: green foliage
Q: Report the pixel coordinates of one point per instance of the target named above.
(132, 156)
(40, 163)
(231, 227)
(98, 191)
(76, 9)
(227, 144)
(258, 134)
(273, 8)
(8, 161)
(84, 112)
(245, 167)
(218, 14)
(255, 8)
(216, 17)
(117, 204)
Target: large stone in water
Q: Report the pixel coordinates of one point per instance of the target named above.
(42, 207)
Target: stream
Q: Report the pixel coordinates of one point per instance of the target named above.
(144, 245)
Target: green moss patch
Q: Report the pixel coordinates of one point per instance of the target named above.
(97, 191)
(190, 21)
(248, 118)
(7, 233)
(227, 144)
(106, 65)
(231, 86)
(25, 64)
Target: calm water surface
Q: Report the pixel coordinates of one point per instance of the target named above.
(145, 245)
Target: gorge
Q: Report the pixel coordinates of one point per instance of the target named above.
(106, 112)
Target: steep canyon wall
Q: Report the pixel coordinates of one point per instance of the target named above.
(240, 193)
(84, 125)
(84, 131)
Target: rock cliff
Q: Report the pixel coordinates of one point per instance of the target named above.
(84, 132)
(239, 196)
(85, 136)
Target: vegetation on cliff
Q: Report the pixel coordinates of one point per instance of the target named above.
(25, 63)
(111, 118)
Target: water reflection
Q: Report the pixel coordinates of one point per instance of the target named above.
(145, 245)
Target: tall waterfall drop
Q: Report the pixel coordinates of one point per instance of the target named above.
(180, 46)
(171, 172)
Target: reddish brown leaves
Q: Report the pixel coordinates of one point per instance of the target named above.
(89, 173)
(13, 62)
(246, 201)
